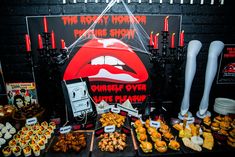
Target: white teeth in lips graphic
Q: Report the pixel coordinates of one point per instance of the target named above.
(106, 60)
(108, 75)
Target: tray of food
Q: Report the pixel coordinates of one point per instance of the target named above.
(210, 135)
(30, 140)
(113, 144)
(110, 118)
(74, 143)
(153, 141)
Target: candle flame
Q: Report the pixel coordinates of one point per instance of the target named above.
(151, 32)
(167, 17)
(173, 33)
(157, 34)
(182, 31)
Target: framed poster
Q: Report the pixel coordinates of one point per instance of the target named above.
(226, 72)
(77, 99)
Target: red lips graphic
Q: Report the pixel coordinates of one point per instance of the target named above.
(80, 65)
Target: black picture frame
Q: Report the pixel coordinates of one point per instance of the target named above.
(74, 100)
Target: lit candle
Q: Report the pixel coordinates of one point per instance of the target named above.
(173, 40)
(45, 24)
(222, 2)
(151, 39)
(28, 43)
(191, 1)
(40, 45)
(202, 2)
(62, 44)
(181, 1)
(156, 41)
(171, 1)
(182, 38)
(53, 40)
(212, 2)
(166, 24)
(160, 2)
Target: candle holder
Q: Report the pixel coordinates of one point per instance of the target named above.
(50, 62)
(168, 64)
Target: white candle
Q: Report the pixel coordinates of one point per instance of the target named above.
(171, 1)
(222, 2)
(85, 1)
(160, 1)
(96, 1)
(212, 2)
(191, 1)
(74, 1)
(64, 1)
(107, 1)
(139, 1)
(129, 1)
(118, 1)
(181, 1)
(150, 1)
(202, 2)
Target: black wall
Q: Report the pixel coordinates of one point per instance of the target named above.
(202, 22)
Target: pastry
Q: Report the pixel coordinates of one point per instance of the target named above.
(4, 130)
(12, 131)
(2, 141)
(215, 126)
(156, 136)
(208, 141)
(12, 143)
(146, 146)
(16, 151)
(160, 146)
(173, 144)
(6, 151)
(7, 135)
(8, 125)
(27, 150)
(188, 143)
(142, 137)
(36, 150)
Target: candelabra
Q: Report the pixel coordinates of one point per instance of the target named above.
(50, 60)
(168, 66)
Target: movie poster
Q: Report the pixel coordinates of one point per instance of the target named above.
(21, 94)
(226, 72)
(115, 74)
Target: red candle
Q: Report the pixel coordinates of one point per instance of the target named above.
(62, 44)
(156, 41)
(40, 45)
(182, 38)
(53, 40)
(28, 43)
(173, 40)
(166, 24)
(45, 24)
(151, 39)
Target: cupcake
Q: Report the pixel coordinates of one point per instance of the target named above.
(16, 137)
(23, 143)
(16, 151)
(41, 144)
(12, 143)
(32, 142)
(44, 124)
(53, 125)
(36, 150)
(48, 134)
(44, 138)
(6, 151)
(27, 150)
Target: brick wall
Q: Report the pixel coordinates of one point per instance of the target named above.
(203, 22)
